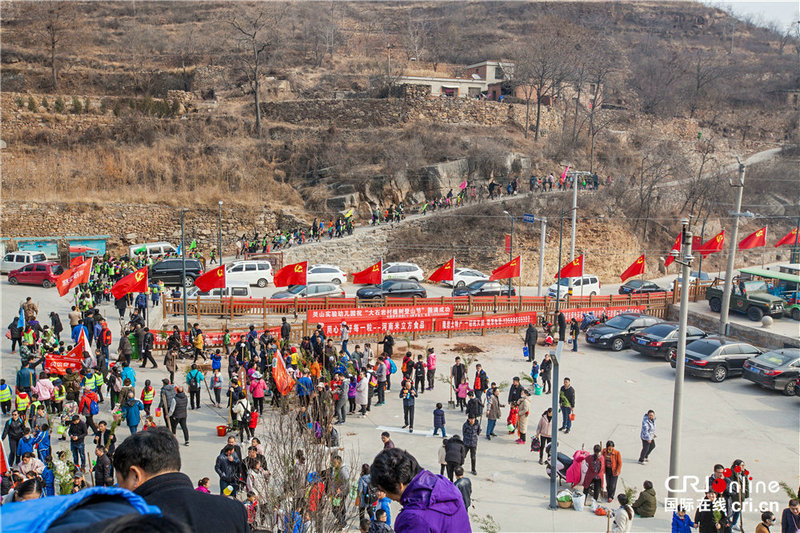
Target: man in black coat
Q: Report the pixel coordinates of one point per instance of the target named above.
(562, 326)
(149, 462)
(531, 336)
(454, 454)
(177, 413)
(102, 468)
(458, 372)
(515, 391)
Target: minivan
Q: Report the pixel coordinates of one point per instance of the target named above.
(14, 260)
(237, 289)
(253, 272)
(588, 285)
(152, 249)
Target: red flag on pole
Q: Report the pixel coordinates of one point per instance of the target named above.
(283, 381)
(133, 282)
(572, 269)
(370, 275)
(3, 462)
(213, 279)
(509, 270)
(757, 239)
(789, 238)
(75, 261)
(676, 247)
(508, 243)
(294, 274)
(713, 245)
(635, 269)
(444, 272)
(74, 277)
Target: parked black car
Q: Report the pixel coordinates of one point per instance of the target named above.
(616, 332)
(716, 358)
(661, 340)
(484, 287)
(170, 271)
(638, 286)
(777, 370)
(393, 288)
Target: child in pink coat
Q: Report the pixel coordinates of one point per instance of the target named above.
(461, 393)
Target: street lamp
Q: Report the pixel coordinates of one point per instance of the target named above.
(556, 359)
(219, 235)
(183, 271)
(510, 247)
(685, 260)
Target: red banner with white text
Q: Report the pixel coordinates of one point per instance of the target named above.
(58, 364)
(382, 313)
(609, 311)
(378, 326)
(487, 322)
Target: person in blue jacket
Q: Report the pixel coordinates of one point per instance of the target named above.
(681, 523)
(130, 411)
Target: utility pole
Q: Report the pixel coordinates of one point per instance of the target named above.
(219, 234)
(541, 255)
(724, 325)
(574, 228)
(685, 260)
(556, 361)
(183, 270)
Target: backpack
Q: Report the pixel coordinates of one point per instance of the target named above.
(93, 408)
(194, 384)
(392, 367)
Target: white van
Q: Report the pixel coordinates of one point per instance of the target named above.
(154, 249)
(252, 272)
(237, 289)
(14, 260)
(588, 285)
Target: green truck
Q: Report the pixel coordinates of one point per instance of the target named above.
(748, 297)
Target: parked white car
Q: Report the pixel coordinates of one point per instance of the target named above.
(15, 260)
(237, 289)
(326, 274)
(588, 285)
(152, 249)
(403, 271)
(464, 276)
(252, 272)
(312, 290)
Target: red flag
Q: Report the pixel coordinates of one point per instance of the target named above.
(789, 238)
(712, 245)
(283, 381)
(508, 243)
(572, 269)
(3, 462)
(75, 261)
(74, 277)
(294, 274)
(564, 175)
(676, 247)
(509, 270)
(444, 272)
(213, 279)
(634, 270)
(133, 282)
(58, 364)
(370, 275)
(757, 239)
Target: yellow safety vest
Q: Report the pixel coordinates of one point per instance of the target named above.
(27, 337)
(60, 396)
(89, 382)
(35, 405)
(5, 394)
(23, 403)
(98, 380)
(148, 395)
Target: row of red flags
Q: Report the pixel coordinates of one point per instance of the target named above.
(295, 274)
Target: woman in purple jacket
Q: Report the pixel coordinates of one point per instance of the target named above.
(431, 503)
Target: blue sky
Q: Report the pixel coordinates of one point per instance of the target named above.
(781, 12)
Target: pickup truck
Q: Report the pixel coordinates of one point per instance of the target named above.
(748, 297)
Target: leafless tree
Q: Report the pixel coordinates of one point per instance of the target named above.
(55, 23)
(415, 34)
(701, 189)
(659, 162)
(656, 78)
(542, 65)
(257, 33)
(705, 73)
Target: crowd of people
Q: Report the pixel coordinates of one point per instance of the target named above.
(331, 382)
